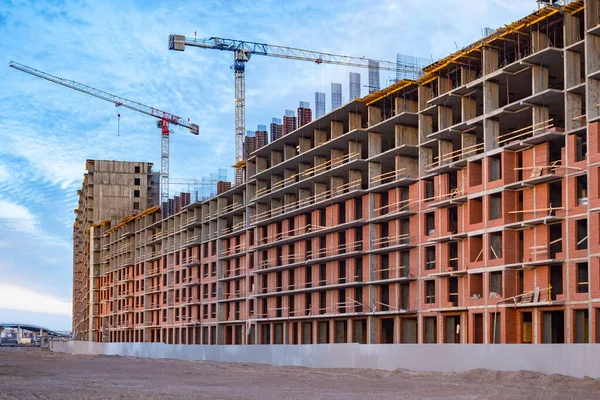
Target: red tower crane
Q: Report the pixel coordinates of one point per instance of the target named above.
(164, 118)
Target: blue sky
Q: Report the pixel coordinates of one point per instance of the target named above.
(48, 131)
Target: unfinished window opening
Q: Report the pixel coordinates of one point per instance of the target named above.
(476, 286)
(453, 219)
(308, 302)
(553, 327)
(291, 226)
(384, 262)
(342, 242)
(430, 223)
(453, 291)
(308, 247)
(581, 147)
(555, 239)
(452, 329)
(322, 246)
(279, 286)
(555, 191)
(495, 206)
(475, 178)
(358, 236)
(476, 248)
(342, 212)
(453, 256)
(452, 180)
(342, 271)
(279, 306)
(404, 296)
(323, 217)
(478, 328)
(430, 326)
(495, 163)
(322, 302)
(582, 277)
(582, 196)
(136, 205)
(526, 327)
(495, 245)
(405, 230)
(279, 256)
(136, 170)
(387, 330)
(430, 257)
(358, 208)
(430, 292)
(358, 297)
(582, 239)
(342, 300)
(496, 284)
(404, 263)
(136, 193)
(322, 274)
(383, 198)
(429, 191)
(308, 276)
(358, 269)
(582, 334)
(291, 254)
(496, 331)
(384, 234)
(385, 298)
(137, 181)
(556, 280)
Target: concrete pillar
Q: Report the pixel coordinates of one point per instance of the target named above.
(355, 147)
(374, 170)
(374, 147)
(539, 41)
(491, 96)
(425, 127)
(354, 121)
(491, 132)
(539, 114)
(468, 141)
(402, 105)
(571, 29)
(304, 144)
(444, 117)
(444, 85)
(425, 158)
(337, 129)
(468, 108)
(490, 60)
(374, 115)
(406, 135)
(406, 166)
(445, 147)
(320, 137)
(425, 94)
(467, 75)
(572, 69)
(539, 81)
(574, 109)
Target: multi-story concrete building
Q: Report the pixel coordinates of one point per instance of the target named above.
(111, 190)
(460, 208)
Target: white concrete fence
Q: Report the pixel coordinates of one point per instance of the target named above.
(577, 360)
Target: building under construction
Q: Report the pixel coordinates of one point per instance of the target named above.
(460, 208)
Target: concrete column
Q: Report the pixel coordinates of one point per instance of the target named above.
(490, 60)
(539, 114)
(444, 85)
(425, 94)
(539, 79)
(539, 41)
(374, 169)
(374, 115)
(406, 135)
(406, 166)
(425, 158)
(491, 132)
(374, 147)
(320, 137)
(468, 108)
(491, 96)
(574, 109)
(354, 121)
(402, 105)
(467, 75)
(304, 144)
(355, 147)
(571, 29)
(468, 140)
(425, 127)
(572, 69)
(444, 117)
(290, 151)
(445, 147)
(337, 129)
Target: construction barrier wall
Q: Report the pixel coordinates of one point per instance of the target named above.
(577, 360)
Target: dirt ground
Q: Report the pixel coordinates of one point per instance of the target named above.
(45, 375)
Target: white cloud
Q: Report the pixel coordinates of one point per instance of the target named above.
(17, 217)
(4, 175)
(14, 297)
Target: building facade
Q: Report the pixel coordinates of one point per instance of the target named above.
(459, 208)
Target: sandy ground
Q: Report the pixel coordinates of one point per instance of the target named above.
(45, 375)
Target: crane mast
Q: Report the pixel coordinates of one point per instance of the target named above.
(164, 118)
(243, 50)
